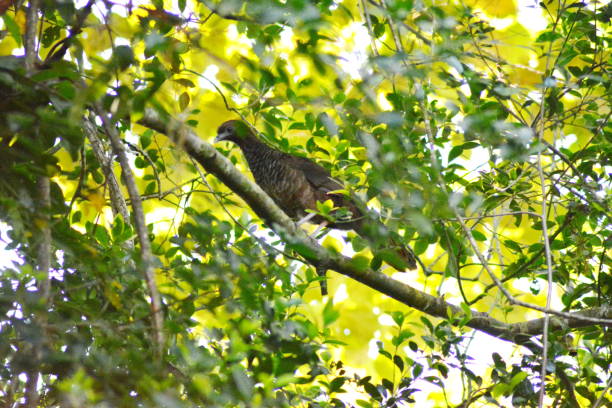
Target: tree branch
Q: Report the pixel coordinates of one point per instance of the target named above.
(226, 16)
(30, 36)
(214, 162)
(513, 300)
(59, 49)
(140, 225)
(117, 200)
(43, 260)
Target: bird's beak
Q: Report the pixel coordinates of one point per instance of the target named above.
(221, 136)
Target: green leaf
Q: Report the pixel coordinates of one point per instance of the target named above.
(372, 391)
(330, 314)
(102, 235)
(151, 188)
(376, 262)
(12, 28)
(512, 245)
(479, 236)
(184, 100)
(243, 383)
(123, 56)
(379, 30)
(303, 250)
(417, 369)
(360, 263)
(145, 138)
(398, 317)
(336, 384)
(187, 83)
(399, 363)
(548, 36)
(117, 228)
(454, 153)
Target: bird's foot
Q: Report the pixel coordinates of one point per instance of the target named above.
(305, 219)
(319, 228)
(321, 271)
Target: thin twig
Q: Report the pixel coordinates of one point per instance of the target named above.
(262, 242)
(226, 16)
(481, 217)
(549, 272)
(117, 200)
(77, 190)
(418, 34)
(568, 218)
(601, 397)
(366, 15)
(141, 228)
(507, 294)
(59, 49)
(542, 115)
(474, 245)
(151, 163)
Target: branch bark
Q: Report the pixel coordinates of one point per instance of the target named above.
(140, 225)
(30, 36)
(118, 204)
(43, 260)
(214, 162)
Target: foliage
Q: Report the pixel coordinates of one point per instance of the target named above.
(485, 148)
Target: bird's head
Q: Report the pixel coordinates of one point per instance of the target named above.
(233, 130)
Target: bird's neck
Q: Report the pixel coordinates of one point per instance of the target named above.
(251, 146)
(259, 156)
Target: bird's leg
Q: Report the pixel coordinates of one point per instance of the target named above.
(322, 271)
(306, 219)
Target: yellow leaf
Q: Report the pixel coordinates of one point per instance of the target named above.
(333, 244)
(40, 223)
(20, 19)
(113, 297)
(51, 170)
(97, 200)
(189, 244)
(499, 9)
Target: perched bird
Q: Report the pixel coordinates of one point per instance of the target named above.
(296, 184)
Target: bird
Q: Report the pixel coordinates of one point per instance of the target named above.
(297, 183)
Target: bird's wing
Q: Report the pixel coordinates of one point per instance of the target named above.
(322, 185)
(316, 175)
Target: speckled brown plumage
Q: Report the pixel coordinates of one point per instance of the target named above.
(296, 183)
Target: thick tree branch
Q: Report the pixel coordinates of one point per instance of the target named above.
(214, 162)
(536, 326)
(43, 260)
(30, 36)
